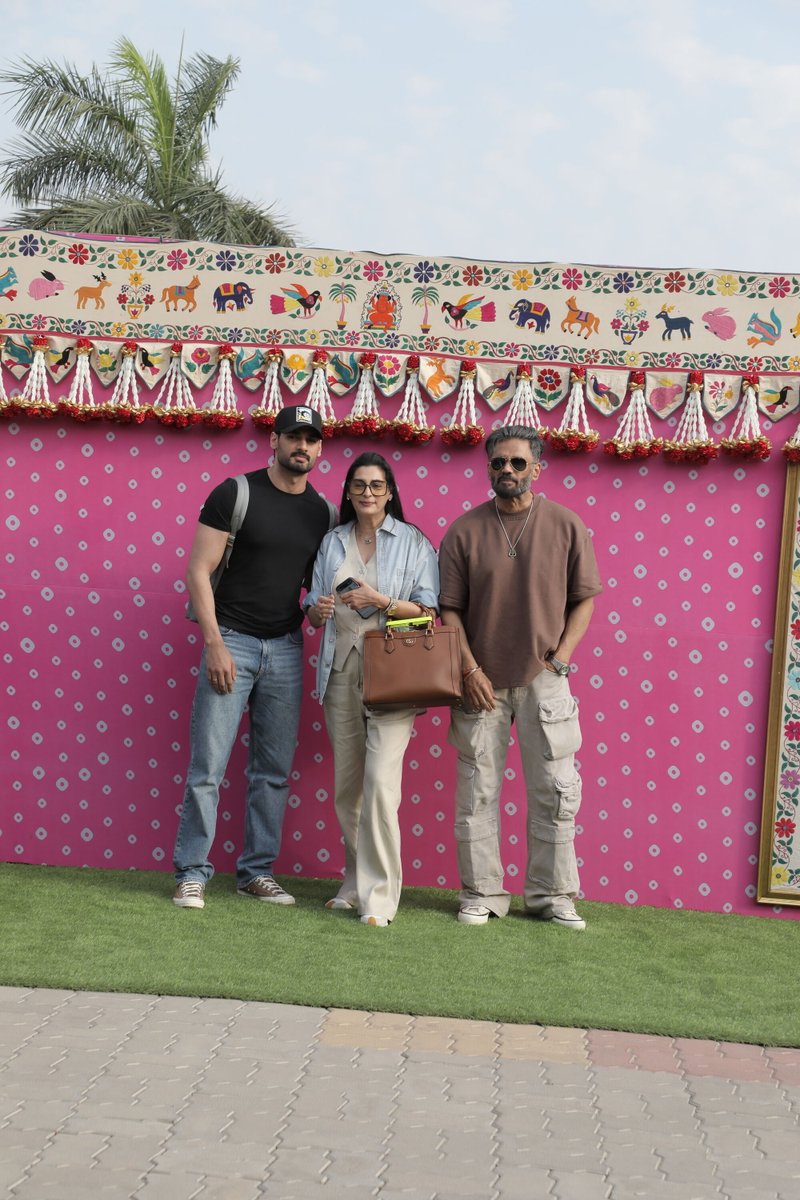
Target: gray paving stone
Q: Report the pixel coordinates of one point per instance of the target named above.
(144, 1097)
(76, 1183)
(174, 1186)
(582, 1185)
(229, 1189)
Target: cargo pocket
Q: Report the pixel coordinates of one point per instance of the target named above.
(560, 725)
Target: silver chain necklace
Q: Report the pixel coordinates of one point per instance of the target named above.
(512, 551)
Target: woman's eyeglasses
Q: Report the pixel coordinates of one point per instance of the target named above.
(517, 464)
(376, 486)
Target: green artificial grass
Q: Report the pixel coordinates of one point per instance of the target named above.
(645, 970)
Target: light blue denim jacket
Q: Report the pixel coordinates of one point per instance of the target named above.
(407, 570)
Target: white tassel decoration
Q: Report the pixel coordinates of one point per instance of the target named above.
(574, 433)
(746, 439)
(319, 396)
(36, 393)
(125, 397)
(634, 437)
(523, 410)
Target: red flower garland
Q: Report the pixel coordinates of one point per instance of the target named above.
(572, 440)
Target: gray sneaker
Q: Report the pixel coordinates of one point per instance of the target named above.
(264, 887)
(190, 894)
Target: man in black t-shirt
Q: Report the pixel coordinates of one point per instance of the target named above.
(253, 655)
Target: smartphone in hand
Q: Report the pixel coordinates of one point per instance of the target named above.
(348, 585)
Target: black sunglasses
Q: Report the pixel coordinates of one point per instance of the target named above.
(517, 464)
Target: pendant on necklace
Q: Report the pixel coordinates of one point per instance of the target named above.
(366, 541)
(512, 553)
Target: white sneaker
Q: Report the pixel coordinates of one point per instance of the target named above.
(473, 914)
(562, 912)
(339, 904)
(380, 922)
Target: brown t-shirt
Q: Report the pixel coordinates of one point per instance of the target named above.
(514, 609)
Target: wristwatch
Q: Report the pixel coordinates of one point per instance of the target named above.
(560, 668)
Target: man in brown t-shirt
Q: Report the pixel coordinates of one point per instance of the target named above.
(518, 577)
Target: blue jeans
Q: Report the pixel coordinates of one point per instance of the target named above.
(269, 677)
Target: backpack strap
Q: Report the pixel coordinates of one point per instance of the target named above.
(237, 520)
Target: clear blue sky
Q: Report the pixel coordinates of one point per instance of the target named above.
(600, 131)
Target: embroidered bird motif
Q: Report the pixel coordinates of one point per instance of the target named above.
(496, 387)
(607, 400)
(297, 301)
(470, 308)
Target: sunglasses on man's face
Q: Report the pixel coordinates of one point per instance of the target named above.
(376, 486)
(516, 464)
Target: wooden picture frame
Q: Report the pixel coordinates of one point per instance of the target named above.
(779, 857)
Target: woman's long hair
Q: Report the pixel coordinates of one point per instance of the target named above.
(370, 459)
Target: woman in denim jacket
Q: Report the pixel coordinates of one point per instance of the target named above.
(394, 569)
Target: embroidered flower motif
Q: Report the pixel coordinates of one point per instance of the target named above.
(128, 259)
(791, 731)
(177, 260)
(472, 347)
(78, 254)
(373, 270)
(513, 350)
(549, 380)
(572, 279)
(784, 828)
(194, 333)
(39, 321)
(29, 245)
(779, 287)
(674, 281)
(623, 282)
(275, 263)
(225, 260)
(324, 265)
(790, 778)
(200, 356)
(155, 331)
(235, 335)
(472, 276)
(728, 285)
(521, 280)
(672, 360)
(118, 329)
(424, 272)
(78, 328)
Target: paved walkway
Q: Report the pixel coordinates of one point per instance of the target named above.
(158, 1098)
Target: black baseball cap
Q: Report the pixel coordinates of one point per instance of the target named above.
(298, 416)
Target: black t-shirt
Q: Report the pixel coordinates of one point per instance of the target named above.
(259, 592)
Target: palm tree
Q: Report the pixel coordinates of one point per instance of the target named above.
(425, 295)
(126, 152)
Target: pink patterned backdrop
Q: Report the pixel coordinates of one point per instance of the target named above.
(99, 662)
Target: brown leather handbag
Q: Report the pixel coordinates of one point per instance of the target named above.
(411, 665)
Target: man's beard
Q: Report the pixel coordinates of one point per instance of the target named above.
(507, 489)
(297, 466)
